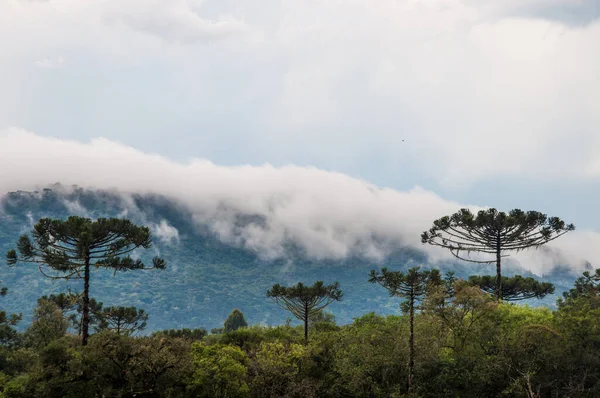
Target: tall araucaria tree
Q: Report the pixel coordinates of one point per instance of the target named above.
(494, 233)
(412, 286)
(304, 302)
(68, 249)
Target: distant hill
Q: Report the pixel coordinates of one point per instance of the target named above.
(205, 279)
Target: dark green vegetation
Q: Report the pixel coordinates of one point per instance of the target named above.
(70, 249)
(465, 344)
(454, 339)
(205, 278)
(234, 321)
(411, 286)
(7, 322)
(305, 302)
(493, 232)
(123, 320)
(515, 288)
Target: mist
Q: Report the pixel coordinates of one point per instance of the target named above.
(328, 215)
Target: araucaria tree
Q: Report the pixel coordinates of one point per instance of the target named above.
(493, 233)
(514, 288)
(303, 301)
(411, 286)
(66, 249)
(123, 320)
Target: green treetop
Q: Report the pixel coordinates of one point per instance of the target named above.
(234, 321)
(514, 288)
(493, 233)
(412, 286)
(304, 302)
(123, 320)
(70, 248)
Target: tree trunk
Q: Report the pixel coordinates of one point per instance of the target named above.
(411, 341)
(498, 271)
(305, 324)
(86, 303)
(443, 325)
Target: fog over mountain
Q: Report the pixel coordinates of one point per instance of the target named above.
(264, 209)
(272, 143)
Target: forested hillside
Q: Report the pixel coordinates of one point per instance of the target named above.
(465, 345)
(204, 278)
(168, 310)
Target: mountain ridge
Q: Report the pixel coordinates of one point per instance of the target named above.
(205, 278)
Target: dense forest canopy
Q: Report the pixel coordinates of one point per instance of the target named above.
(452, 336)
(464, 343)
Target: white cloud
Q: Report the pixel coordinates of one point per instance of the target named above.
(75, 208)
(330, 215)
(478, 89)
(476, 97)
(165, 232)
(48, 63)
(174, 20)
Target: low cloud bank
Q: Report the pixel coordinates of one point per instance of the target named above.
(327, 214)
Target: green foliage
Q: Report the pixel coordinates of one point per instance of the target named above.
(578, 319)
(304, 302)
(68, 249)
(322, 317)
(462, 343)
(221, 371)
(48, 324)
(466, 345)
(19, 387)
(8, 334)
(249, 338)
(276, 369)
(514, 288)
(371, 357)
(323, 321)
(587, 285)
(491, 232)
(412, 286)
(463, 314)
(123, 320)
(185, 333)
(516, 230)
(118, 365)
(71, 306)
(210, 277)
(234, 321)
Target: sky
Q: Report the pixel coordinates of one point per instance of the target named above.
(490, 103)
